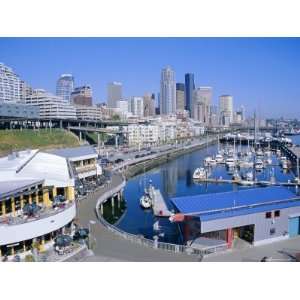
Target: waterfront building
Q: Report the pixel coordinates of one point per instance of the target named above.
(10, 84)
(82, 96)
(139, 134)
(19, 110)
(31, 182)
(65, 86)
(214, 117)
(189, 90)
(114, 93)
(50, 106)
(92, 113)
(167, 92)
(180, 96)
(137, 106)
(259, 216)
(226, 110)
(149, 104)
(83, 161)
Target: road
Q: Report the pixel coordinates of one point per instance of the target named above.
(110, 247)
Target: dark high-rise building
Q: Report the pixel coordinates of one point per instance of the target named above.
(180, 96)
(189, 89)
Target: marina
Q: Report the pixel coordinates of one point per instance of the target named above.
(177, 178)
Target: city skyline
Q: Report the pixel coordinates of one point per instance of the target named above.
(259, 73)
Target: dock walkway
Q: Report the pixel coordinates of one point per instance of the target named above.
(159, 205)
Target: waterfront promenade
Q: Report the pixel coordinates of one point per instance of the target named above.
(109, 246)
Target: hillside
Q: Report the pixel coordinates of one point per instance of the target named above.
(11, 140)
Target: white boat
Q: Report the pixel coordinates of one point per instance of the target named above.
(219, 158)
(146, 201)
(245, 164)
(283, 162)
(246, 182)
(200, 173)
(236, 176)
(268, 161)
(259, 153)
(230, 162)
(209, 161)
(259, 165)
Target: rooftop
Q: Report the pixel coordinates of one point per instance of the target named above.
(9, 187)
(77, 152)
(229, 204)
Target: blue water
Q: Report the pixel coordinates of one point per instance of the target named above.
(175, 179)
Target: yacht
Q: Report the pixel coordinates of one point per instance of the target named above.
(244, 163)
(200, 173)
(230, 162)
(208, 161)
(247, 179)
(259, 153)
(259, 165)
(146, 200)
(219, 158)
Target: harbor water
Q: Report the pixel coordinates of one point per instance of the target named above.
(175, 179)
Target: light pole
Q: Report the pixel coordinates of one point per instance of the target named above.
(91, 222)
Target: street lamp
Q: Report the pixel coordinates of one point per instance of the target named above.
(91, 222)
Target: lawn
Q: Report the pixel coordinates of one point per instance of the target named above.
(11, 140)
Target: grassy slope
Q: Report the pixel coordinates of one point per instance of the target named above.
(11, 140)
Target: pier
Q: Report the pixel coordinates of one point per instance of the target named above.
(159, 205)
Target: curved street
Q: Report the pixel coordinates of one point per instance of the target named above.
(109, 246)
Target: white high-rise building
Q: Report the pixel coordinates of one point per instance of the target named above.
(137, 106)
(51, 106)
(114, 94)
(167, 92)
(10, 85)
(226, 109)
(65, 86)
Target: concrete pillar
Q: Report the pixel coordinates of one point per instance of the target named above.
(3, 207)
(13, 206)
(112, 201)
(70, 193)
(101, 209)
(98, 140)
(36, 197)
(229, 237)
(54, 192)
(80, 135)
(21, 201)
(46, 199)
(116, 141)
(30, 199)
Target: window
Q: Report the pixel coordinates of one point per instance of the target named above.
(268, 215)
(277, 213)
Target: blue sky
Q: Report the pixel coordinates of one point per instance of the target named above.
(260, 73)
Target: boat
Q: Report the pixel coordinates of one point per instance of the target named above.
(259, 153)
(236, 176)
(283, 162)
(246, 182)
(259, 165)
(268, 161)
(200, 173)
(219, 158)
(209, 161)
(230, 162)
(245, 164)
(146, 200)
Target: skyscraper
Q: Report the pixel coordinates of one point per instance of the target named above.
(149, 105)
(189, 89)
(202, 98)
(65, 86)
(82, 95)
(180, 96)
(10, 84)
(226, 109)
(167, 92)
(114, 93)
(137, 106)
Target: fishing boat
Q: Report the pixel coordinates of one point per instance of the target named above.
(200, 173)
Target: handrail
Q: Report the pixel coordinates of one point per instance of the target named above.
(147, 242)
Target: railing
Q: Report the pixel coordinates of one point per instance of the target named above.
(147, 242)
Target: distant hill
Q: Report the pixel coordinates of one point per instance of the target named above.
(12, 140)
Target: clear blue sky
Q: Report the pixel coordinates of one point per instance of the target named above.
(260, 73)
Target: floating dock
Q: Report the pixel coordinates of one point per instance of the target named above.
(159, 206)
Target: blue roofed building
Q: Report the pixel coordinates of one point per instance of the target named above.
(258, 215)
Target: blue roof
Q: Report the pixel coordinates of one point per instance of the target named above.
(229, 204)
